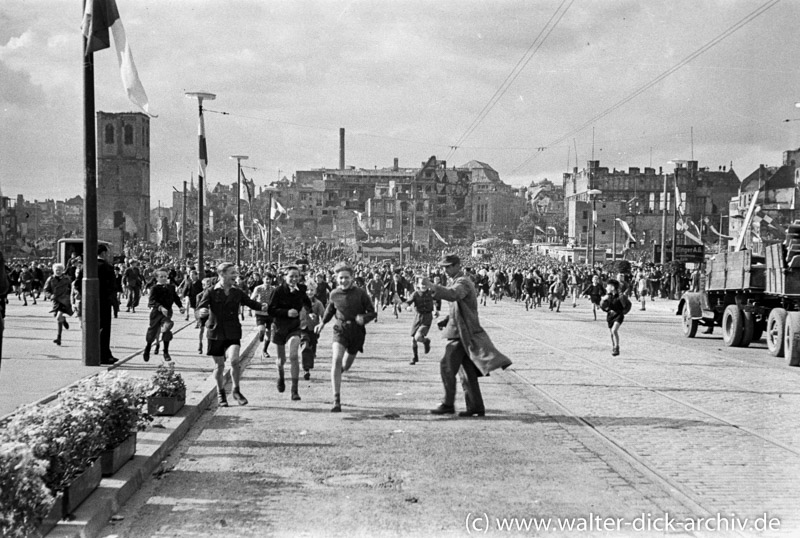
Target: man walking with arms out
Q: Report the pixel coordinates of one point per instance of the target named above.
(469, 351)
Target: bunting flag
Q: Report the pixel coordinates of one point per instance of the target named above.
(245, 192)
(276, 210)
(538, 228)
(714, 230)
(262, 232)
(678, 201)
(203, 155)
(278, 230)
(439, 237)
(242, 228)
(361, 222)
(626, 229)
(98, 17)
(688, 233)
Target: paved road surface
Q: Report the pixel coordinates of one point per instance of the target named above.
(683, 430)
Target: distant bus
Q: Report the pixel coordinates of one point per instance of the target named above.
(73, 246)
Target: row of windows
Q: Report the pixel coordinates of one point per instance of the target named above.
(127, 131)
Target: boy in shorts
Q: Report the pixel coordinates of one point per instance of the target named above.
(224, 329)
(162, 297)
(288, 300)
(353, 309)
(263, 294)
(423, 302)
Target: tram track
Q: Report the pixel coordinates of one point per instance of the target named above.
(698, 352)
(633, 382)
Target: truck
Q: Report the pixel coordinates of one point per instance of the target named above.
(750, 296)
(73, 246)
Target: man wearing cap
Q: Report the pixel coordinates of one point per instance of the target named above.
(469, 351)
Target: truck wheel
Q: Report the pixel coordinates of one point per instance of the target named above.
(776, 327)
(732, 326)
(748, 328)
(689, 324)
(792, 343)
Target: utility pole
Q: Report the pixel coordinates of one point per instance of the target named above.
(239, 159)
(664, 223)
(183, 225)
(201, 177)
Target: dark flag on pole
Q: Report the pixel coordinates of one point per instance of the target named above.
(99, 17)
(203, 152)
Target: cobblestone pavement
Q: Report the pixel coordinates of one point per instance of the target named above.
(672, 428)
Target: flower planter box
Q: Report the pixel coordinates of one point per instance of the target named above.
(83, 485)
(53, 516)
(165, 406)
(112, 460)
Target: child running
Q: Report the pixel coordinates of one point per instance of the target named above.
(422, 300)
(287, 301)
(616, 305)
(59, 289)
(308, 336)
(353, 309)
(162, 296)
(263, 294)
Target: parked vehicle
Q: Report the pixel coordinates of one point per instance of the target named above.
(750, 296)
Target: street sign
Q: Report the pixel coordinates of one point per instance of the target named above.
(690, 253)
(683, 253)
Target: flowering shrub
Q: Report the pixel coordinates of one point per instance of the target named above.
(121, 401)
(66, 434)
(167, 382)
(24, 499)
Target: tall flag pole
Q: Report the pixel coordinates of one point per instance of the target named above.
(201, 177)
(90, 327)
(239, 231)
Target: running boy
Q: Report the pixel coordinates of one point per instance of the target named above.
(162, 296)
(353, 309)
(287, 301)
(616, 304)
(59, 289)
(224, 329)
(422, 300)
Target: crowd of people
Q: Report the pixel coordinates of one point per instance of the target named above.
(293, 303)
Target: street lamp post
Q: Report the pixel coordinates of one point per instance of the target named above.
(203, 158)
(593, 193)
(239, 159)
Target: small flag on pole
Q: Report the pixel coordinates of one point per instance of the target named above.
(245, 192)
(98, 17)
(242, 227)
(538, 228)
(439, 237)
(626, 229)
(277, 210)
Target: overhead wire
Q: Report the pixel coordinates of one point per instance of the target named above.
(537, 43)
(741, 23)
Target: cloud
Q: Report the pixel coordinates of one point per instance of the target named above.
(16, 89)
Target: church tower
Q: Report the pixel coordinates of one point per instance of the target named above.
(123, 175)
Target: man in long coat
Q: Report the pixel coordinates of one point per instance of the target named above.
(469, 351)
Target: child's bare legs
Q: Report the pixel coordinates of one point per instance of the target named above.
(615, 338)
(337, 354)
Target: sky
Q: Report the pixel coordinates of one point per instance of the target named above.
(538, 86)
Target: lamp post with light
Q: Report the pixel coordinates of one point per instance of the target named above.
(203, 158)
(593, 193)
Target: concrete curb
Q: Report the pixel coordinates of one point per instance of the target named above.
(152, 447)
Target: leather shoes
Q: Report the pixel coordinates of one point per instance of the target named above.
(443, 410)
(109, 360)
(469, 413)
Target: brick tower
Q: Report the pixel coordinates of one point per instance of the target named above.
(123, 175)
